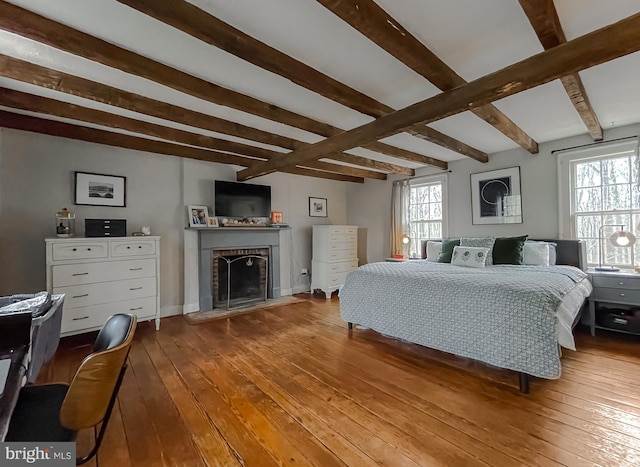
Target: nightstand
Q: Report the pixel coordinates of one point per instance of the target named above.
(613, 288)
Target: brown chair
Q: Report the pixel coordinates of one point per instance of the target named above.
(56, 412)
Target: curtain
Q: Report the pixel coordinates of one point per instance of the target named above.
(400, 193)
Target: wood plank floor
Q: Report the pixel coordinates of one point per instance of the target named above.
(289, 385)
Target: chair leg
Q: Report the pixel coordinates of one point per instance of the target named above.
(107, 415)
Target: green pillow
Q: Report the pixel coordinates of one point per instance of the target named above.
(448, 244)
(508, 250)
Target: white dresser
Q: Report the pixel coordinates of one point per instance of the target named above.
(335, 253)
(103, 276)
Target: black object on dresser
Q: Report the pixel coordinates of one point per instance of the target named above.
(105, 227)
(614, 303)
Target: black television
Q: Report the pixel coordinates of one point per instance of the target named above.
(233, 199)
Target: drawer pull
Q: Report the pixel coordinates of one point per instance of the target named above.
(81, 274)
(74, 249)
(135, 269)
(139, 246)
(622, 295)
(88, 249)
(80, 296)
(621, 283)
(78, 319)
(135, 288)
(128, 248)
(136, 308)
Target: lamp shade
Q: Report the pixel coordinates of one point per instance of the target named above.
(622, 238)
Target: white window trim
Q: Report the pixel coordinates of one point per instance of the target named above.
(444, 180)
(565, 175)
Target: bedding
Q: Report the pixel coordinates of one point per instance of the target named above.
(508, 316)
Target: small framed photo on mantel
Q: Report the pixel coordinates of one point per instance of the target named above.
(198, 216)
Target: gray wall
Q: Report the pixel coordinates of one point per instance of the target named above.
(369, 205)
(36, 181)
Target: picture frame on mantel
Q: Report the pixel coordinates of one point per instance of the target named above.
(93, 189)
(317, 207)
(198, 216)
(496, 197)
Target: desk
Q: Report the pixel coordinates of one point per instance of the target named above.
(12, 387)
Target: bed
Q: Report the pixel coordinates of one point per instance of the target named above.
(508, 316)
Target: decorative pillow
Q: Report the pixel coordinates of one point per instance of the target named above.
(448, 244)
(480, 242)
(469, 256)
(536, 254)
(552, 250)
(433, 250)
(508, 250)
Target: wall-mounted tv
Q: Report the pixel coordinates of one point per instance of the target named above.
(233, 199)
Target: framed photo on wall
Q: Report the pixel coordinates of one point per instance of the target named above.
(198, 216)
(100, 190)
(317, 207)
(496, 197)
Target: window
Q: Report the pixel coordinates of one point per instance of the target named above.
(427, 211)
(604, 191)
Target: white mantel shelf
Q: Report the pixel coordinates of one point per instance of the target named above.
(213, 229)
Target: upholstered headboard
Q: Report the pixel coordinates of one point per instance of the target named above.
(569, 252)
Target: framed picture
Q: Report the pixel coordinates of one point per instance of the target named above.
(317, 207)
(277, 217)
(198, 216)
(100, 190)
(213, 222)
(496, 197)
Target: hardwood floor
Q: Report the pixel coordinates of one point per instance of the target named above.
(290, 385)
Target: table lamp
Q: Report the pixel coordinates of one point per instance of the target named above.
(618, 238)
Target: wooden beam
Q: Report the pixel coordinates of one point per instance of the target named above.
(431, 135)
(614, 41)
(377, 25)
(544, 18)
(38, 28)
(63, 82)
(92, 135)
(28, 24)
(406, 155)
(32, 103)
(193, 21)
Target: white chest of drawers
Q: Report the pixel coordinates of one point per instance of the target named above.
(335, 253)
(104, 276)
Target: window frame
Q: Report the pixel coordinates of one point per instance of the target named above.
(441, 179)
(567, 216)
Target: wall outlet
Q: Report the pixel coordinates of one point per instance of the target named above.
(304, 272)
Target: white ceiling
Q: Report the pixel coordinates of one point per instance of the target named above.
(473, 37)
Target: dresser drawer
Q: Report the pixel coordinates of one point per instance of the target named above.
(343, 255)
(605, 294)
(80, 250)
(76, 319)
(93, 294)
(617, 282)
(343, 229)
(88, 273)
(133, 248)
(343, 267)
(338, 278)
(342, 238)
(347, 245)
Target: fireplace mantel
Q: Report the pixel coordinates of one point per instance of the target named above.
(224, 238)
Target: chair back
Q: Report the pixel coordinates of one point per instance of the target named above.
(96, 380)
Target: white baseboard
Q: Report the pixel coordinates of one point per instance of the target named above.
(189, 308)
(301, 289)
(170, 311)
(284, 292)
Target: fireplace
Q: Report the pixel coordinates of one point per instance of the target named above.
(230, 241)
(239, 277)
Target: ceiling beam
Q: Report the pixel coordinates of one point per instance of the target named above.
(614, 41)
(109, 138)
(544, 18)
(199, 24)
(377, 25)
(25, 23)
(43, 105)
(38, 75)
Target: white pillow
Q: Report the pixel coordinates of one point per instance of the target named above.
(535, 254)
(433, 251)
(480, 242)
(469, 256)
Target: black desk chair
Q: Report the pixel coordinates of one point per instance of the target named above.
(56, 412)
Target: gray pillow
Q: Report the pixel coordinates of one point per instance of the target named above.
(480, 242)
